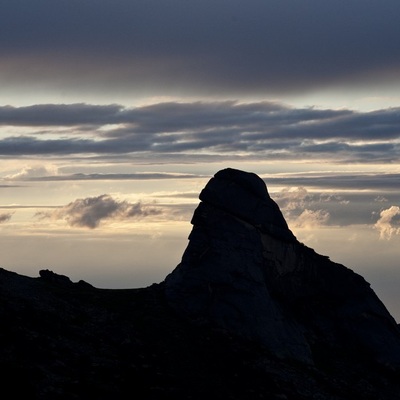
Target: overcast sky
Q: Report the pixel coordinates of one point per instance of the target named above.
(114, 114)
(102, 50)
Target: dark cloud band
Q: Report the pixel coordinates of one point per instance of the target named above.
(215, 129)
(203, 47)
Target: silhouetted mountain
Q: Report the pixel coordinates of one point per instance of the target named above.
(249, 313)
(245, 272)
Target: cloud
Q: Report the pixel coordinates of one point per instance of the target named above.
(5, 217)
(217, 130)
(381, 199)
(108, 176)
(355, 181)
(311, 219)
(345, 208)
(30, 145)
(33, 172)
(389, 222)
(58, 114)
(91, 211)
(296, 204)
(304, 209)
(290, 199)
(204, 47)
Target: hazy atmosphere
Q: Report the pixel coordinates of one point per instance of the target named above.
(115, 114)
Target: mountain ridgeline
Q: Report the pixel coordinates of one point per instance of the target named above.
(249, 313)
(245, 272)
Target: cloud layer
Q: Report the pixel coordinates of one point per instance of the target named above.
(207, 46)
(255, 130)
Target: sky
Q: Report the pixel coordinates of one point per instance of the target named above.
(114, 114)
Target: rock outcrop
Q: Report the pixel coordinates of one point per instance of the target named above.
(245, 272)
(250, 313)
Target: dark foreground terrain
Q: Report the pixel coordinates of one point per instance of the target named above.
(64, 340)
(249, 313)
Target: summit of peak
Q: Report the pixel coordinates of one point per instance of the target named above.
(245, 196)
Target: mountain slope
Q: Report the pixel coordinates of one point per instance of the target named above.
(250, 313)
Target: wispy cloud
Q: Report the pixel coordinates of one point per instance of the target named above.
(58, 114)
(41, 174)
(344, 180)
(311, 219)
(4, 217)
(301, 208)
(91, 211)
(33, 172)
(388, 224)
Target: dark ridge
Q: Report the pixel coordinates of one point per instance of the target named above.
(250, 313)
(245, 272)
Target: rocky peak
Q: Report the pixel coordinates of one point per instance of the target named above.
(244, 271)
(245, 301)
(245, 196)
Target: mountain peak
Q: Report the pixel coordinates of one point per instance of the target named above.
(245, 302)
(245, 195)
(244, 271)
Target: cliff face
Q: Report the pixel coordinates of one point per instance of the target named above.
(245, 272)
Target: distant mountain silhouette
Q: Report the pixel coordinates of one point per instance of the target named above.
(249, 313)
